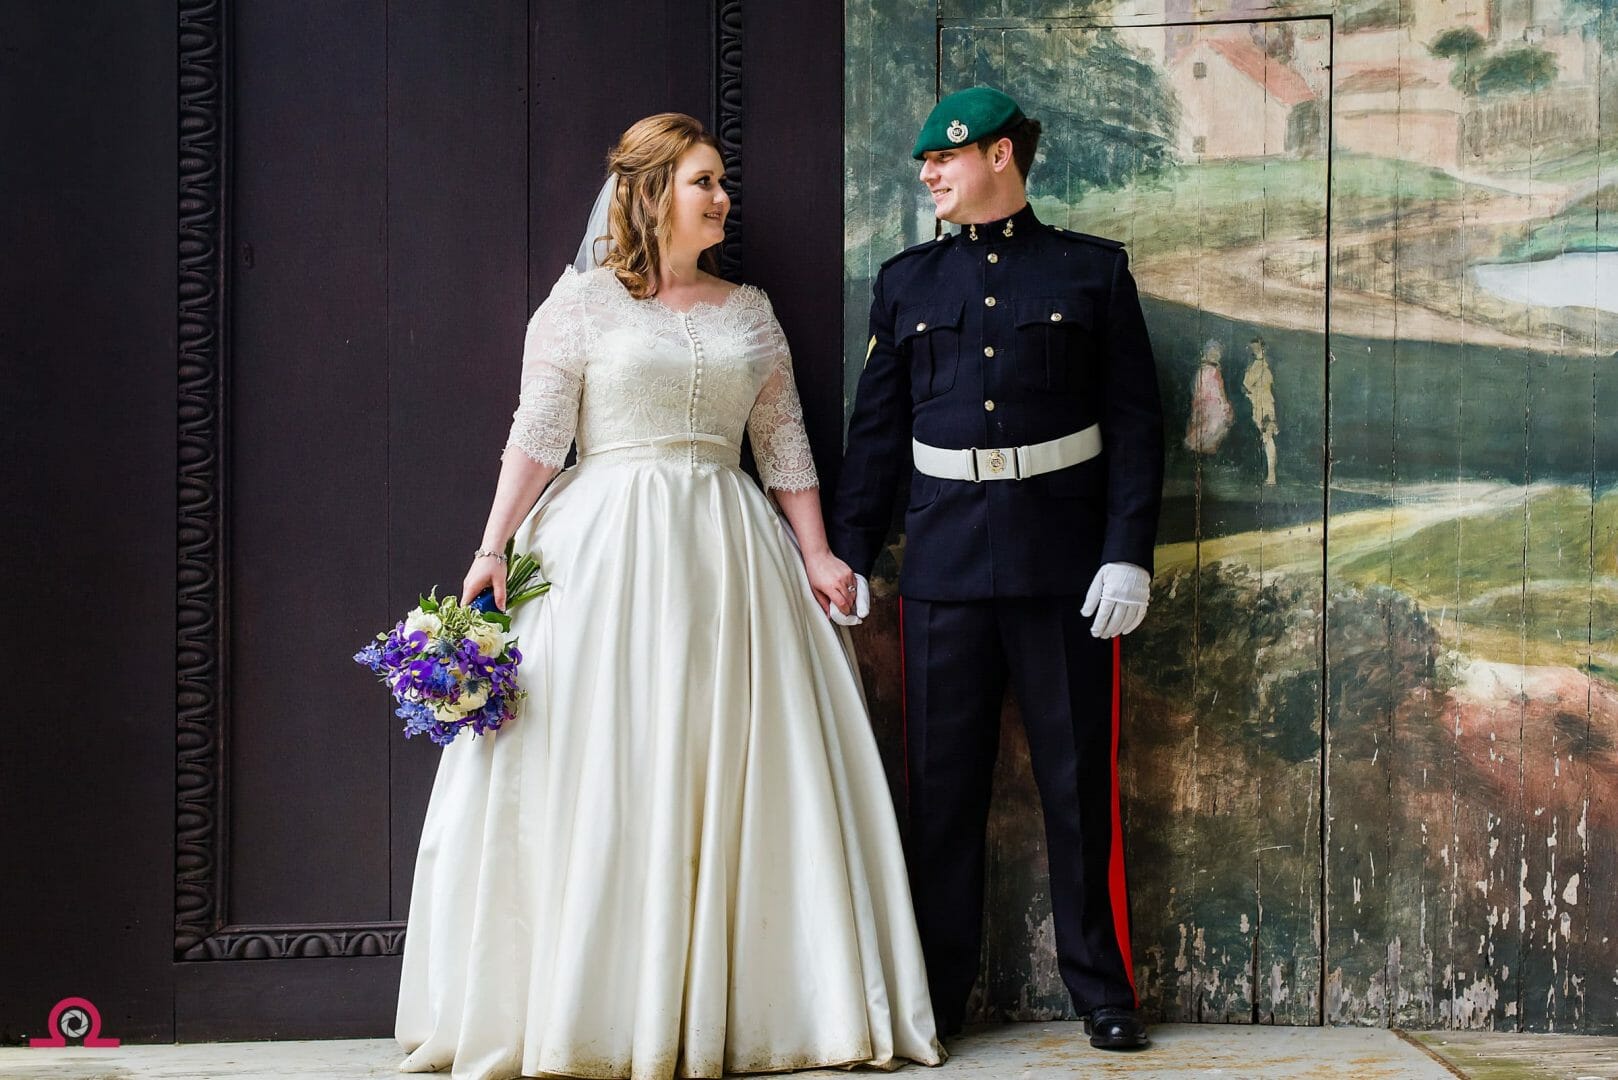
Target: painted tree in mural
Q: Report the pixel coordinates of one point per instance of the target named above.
(1601, 17)
(1477, 70)
(1109, 129)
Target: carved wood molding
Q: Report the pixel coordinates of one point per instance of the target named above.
(201, 855)
(728, 126)
(285, 942)
(200, 599)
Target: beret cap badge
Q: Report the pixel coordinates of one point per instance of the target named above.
(978, 112)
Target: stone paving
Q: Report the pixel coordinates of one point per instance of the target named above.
(1000, 1052)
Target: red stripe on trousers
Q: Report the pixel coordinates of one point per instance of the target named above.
(904, 702)
(1115, 869)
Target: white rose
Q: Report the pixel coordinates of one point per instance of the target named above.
(490, 641)
(425, 621)
(449, 713)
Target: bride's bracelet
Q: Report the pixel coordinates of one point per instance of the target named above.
(480, 553)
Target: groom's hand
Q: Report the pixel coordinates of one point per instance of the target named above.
(1118, 597)
(862, 604)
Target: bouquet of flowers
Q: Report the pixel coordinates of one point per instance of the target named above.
(452, 666)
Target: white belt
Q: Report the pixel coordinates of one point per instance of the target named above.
(664, 440)
(1010, 463)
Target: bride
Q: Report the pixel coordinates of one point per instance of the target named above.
(680, 858)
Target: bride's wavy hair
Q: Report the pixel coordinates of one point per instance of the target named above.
(638, 221)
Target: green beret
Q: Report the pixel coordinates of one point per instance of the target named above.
(966, 116)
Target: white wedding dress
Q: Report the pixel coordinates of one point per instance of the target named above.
(680, 857)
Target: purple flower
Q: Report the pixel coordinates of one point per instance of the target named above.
(424, 673)
(418, 718)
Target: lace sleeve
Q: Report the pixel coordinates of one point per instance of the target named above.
(780, 443)
(552, 376)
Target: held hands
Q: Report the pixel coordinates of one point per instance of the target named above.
(862, 604)
(1118, 597)
(485, 571)
(836, 587)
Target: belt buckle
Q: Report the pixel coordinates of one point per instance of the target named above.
(999, 459)
(972, 456)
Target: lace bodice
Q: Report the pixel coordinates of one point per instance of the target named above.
(613, 372)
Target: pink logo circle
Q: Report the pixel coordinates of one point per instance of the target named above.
(73, 1017)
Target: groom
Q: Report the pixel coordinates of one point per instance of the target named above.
(1009, 380)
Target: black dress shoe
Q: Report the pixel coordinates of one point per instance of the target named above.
(1114, 1028)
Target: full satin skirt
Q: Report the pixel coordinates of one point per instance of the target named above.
(680, 858)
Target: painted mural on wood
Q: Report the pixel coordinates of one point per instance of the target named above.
(1371, 773)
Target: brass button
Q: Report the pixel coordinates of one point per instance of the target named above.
(989, 405)
(923, 326)
(988, 301)
(988, 350)
(993, 257)
(1056, 316)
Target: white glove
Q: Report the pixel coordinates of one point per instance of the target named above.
(862, 604)
(1117, 598)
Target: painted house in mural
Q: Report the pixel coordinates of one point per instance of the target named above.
(1394, 98)
(1239, 102)
(1401, 93)
(1414, 102)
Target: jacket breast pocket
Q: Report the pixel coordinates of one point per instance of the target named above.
(1054, 338)
(931, 336)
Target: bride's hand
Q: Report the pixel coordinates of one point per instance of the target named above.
(486, 570)
(832, 580)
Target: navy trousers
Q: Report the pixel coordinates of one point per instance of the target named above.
(958, 657)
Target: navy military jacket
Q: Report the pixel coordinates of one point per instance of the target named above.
(1001, 335)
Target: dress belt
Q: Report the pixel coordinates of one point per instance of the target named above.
(1008, 463)
(663, 440)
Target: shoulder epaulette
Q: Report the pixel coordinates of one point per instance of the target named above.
(1100, 241)
(925, 245)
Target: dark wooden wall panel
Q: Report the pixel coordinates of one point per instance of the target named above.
(87, 421)
(395, 188)
(792, 242)
(590, 83)
(334, 997)
(457, 190)
(307, 398)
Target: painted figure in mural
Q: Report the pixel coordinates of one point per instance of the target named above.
(680, 857)
(1259, 386)
(1009, 385)
(1211, 411)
